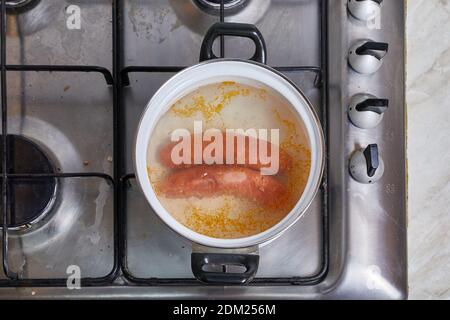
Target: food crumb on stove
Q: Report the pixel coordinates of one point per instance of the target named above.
(110, 159)
(66, 88)
(85, 163)
(33, 293)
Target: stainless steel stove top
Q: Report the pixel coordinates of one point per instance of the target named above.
(350, 244)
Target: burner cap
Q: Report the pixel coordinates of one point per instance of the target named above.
(220, 1)
(213, 6)
(29, 199)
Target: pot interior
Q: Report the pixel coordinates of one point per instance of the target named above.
(221, 190)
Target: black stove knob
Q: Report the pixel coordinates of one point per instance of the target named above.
(366, 56)
(365, 10)
(366, 165)
(366, 111)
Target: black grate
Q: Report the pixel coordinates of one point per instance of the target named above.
(120, 179)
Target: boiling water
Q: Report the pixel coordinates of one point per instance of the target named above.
(230, 105)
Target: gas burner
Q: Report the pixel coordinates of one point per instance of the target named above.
(213, 6)
(30, 199)
(199, 15)
(20, 5)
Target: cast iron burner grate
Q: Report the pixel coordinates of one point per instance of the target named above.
(30, 200)
(119, 79)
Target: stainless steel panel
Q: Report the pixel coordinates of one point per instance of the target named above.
(291, 30)
(367, 223)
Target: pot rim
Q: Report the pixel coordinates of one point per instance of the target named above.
(142, 142)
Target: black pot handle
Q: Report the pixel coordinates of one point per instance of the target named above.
(233, 29)
(199, 260)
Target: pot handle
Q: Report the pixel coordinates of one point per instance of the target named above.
(233, 29)
(200, 259)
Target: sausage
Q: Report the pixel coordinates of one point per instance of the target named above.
(204, 181)
(285, 160)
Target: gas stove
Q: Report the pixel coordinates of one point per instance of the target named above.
(76, 76)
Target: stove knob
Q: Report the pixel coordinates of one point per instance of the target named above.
(366, 56)
(366, 111)
(366, 166)
(365, 10)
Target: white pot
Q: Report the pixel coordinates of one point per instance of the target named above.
(244, 72)
(249, 73)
